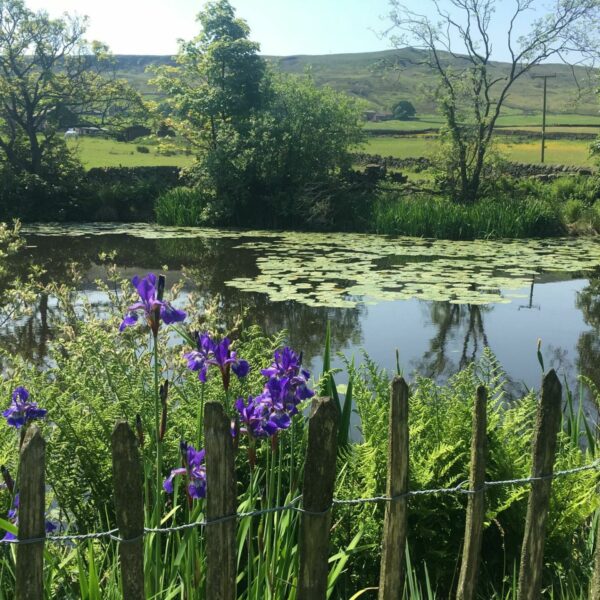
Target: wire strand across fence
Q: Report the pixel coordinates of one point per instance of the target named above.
(293, 506)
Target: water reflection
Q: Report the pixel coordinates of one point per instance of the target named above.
(588, 346)
(437, 338)
(461, 324)
(206, 264)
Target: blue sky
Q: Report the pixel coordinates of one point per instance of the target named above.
(282, 27)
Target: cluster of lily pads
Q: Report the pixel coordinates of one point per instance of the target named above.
(344, 270)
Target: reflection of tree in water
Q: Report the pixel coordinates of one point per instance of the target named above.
(209, 263)
(588, 345)
(29, 336)
(457, 326)
(305, 324)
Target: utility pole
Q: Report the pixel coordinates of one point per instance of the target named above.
(545, 78)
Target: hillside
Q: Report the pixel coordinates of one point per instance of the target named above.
(381, 78)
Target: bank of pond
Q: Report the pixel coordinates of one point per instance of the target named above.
(376, 200)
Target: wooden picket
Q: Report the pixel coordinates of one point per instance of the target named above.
(129, 508)
(391, 579)
(221, 501)
(32, 524)
(467, 582)
(543, 455)
(319, 480)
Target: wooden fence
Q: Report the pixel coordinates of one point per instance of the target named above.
(319, 479)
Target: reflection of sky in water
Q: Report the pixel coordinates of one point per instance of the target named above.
(512, 332)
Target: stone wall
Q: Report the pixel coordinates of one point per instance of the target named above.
(513, 169)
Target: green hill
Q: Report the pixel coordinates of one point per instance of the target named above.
(382, 78)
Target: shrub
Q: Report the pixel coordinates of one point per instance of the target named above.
(404, 110)
(440, 432)
(143, 149)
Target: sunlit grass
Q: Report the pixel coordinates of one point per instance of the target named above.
(570, 152)
(554, 122)
(97, 152)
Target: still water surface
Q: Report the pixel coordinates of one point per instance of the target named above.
(440, 303)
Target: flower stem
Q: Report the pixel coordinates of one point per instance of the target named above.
(200, 418)
(159, 460)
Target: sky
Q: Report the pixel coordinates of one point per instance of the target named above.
(282, 27)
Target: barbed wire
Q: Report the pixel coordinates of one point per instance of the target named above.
(293, 505)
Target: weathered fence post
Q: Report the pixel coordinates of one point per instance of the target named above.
(32, 490)
(221, 501)
(129, 507)
(391, 578)
(543, 454)
(467, 582)
(317, 495)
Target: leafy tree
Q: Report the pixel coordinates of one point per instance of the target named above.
(49, 74)
(471, 90)
(260, 139)
(218, 80)
(404, 110)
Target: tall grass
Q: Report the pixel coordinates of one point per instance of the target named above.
(427, 216)
(181, 206)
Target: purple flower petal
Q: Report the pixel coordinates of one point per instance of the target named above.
(241, 368)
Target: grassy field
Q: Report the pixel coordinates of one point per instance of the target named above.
(569, 122)
(567, 152)
(96, 152)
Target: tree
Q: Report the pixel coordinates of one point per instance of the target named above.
(471, 92)
(49, 73)
(260, 139)
(217, 82)
(404, 110)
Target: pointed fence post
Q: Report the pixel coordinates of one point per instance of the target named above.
(317, 495)
(543, 454)
(221, 501)
(32, 524)
(129, 507)
(391, 578)
(467, 582)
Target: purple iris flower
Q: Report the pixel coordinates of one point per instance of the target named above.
(197, 360)
(21, 411)
(288, 382)
(195, 469)
(286, 363)
(151, 304)
(210, 352)
(13, 517)
(258, 417)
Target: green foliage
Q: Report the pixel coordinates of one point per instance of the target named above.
(488, 218)
(52, 192)
(266, 145)
(49, 78)
(573, 210)
(404, 110)
(184, 206)
(440, 432)
(96, 375)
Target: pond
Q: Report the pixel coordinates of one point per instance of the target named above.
(438, 302)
